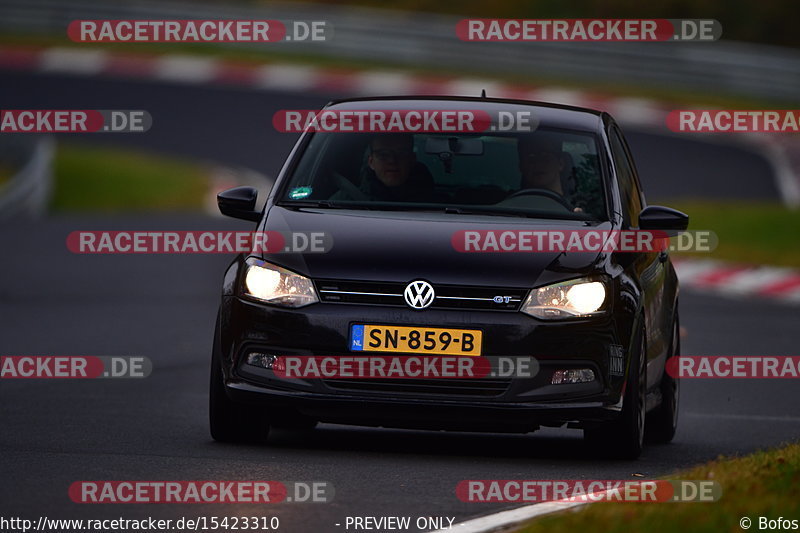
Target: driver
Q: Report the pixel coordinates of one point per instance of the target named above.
(393, 172)
(541, 164)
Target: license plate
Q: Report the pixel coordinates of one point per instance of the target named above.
(370, 338)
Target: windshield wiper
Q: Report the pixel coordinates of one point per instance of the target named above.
(326, 204)
(501, 212)
(519, 214)
(313, 203)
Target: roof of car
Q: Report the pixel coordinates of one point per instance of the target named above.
(548, 114)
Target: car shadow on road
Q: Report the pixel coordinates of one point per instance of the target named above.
(381, 440)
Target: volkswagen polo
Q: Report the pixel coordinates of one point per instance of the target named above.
(410, 270)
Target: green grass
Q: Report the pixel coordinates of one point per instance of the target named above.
(766, 483)
(760, 233)
(6, 173)
(89, 178)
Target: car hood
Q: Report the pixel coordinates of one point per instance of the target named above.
(396, 246)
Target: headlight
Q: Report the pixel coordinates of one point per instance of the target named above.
(275, 285)
(574, 298)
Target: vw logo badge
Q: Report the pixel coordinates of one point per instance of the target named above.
(419, 294)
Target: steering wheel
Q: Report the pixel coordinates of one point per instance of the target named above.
(542, 192)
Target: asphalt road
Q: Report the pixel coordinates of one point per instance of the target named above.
(163, 307)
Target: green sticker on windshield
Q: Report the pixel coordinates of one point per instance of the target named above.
(299, 192)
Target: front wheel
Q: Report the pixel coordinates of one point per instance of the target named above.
(624, 437)
(230, 421)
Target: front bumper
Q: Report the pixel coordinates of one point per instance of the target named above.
(512, 403)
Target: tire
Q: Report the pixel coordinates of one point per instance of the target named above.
(663, 421)
(624, 438)
(230, 421)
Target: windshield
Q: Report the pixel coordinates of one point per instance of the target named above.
(546, 173)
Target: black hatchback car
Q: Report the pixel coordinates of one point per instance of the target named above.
(599, 325)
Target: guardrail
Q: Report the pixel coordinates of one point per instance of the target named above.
(405, 39)
(28, 192)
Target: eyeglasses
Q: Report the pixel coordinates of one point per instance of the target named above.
(386, 155)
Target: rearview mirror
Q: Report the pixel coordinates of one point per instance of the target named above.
(239, 202)
(659, 218)
(453, 145)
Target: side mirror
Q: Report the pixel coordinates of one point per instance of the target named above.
(659, 218)
(239, 202)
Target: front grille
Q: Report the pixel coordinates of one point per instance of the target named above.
(447, 296)
(461, 387)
